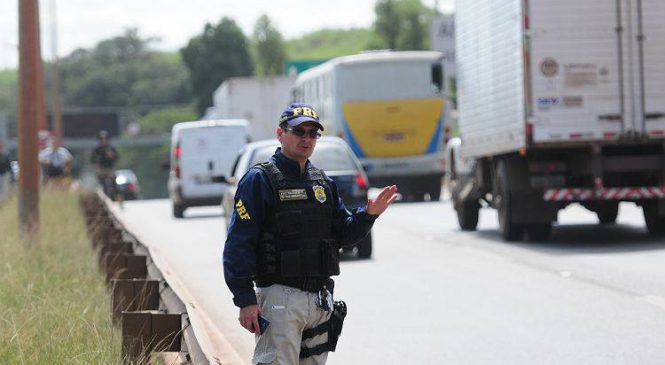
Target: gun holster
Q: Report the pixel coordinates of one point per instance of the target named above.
(334, 328)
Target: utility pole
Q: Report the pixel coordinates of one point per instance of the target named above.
(31, 116)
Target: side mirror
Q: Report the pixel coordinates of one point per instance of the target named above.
(166, 165)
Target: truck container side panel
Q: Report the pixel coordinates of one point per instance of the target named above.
(653, 30)
(574, 65)
(489, 48)
(574, 58)
(654, 60)
(258, 100)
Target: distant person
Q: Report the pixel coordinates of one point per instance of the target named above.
(5, 169)
(105, 156)
(285, 234)
(56, 162)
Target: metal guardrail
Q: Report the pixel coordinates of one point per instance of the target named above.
(151, 314)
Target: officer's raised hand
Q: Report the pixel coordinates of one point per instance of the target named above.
(382, 201)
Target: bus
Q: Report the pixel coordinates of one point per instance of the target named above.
(389, 107)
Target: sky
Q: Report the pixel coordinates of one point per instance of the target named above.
(83, 23)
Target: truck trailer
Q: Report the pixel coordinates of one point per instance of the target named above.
(259, 100)
(559, 102)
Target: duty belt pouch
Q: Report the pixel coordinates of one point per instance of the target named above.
(334, 328)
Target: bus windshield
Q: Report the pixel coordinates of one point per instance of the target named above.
(387, 80)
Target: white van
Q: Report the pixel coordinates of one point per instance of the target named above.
(200, 152)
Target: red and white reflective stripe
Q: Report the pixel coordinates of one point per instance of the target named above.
(579, 194)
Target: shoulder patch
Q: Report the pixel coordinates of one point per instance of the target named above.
(242, 211)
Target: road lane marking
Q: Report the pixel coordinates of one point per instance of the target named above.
(653, 299)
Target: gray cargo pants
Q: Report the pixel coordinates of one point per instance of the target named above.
(290, 311)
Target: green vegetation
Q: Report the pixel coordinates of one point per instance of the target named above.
(401, 25)
(268, 48)
(220, 52)
(8, 76)
(54, 308)
(8, 90)
(146, 162)
(161, 121)
(123, 71)
(328, 43)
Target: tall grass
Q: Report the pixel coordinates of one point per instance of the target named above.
(53, 305)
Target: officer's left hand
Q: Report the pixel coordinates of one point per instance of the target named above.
(382, 201)
(249, 317)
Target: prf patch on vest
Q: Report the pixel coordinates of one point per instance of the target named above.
(242, 211)
(319, 193)
(292, 194)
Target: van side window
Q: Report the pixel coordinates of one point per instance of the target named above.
(235, 165)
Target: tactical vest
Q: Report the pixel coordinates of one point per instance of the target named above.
(297, 241)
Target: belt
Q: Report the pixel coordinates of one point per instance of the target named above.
(312, 285)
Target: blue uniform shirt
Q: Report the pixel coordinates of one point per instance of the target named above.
(254, 198)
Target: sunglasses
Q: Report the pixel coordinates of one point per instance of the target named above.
(300, 132)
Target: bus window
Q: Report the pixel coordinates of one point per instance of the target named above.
(437, 77)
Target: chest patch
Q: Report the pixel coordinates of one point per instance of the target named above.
(319, 193)
(292, 194)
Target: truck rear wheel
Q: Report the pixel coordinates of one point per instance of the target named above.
(655, 222)
(607, 212)
(539, 232)
(467, 215)
(504, 205)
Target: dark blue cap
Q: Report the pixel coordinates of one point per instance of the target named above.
(298, 113)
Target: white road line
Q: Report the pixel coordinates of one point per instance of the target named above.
(653, 299)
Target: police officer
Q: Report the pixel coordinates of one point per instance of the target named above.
(105, 157)
(285, 234)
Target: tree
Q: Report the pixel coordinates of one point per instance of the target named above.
(401, 25)
(388, 22)
(269, 48)
(214, 56)
(415, 25)
(122, 71)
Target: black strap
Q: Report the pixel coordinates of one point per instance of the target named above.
(316, 350)
(318, 330)
(334, 328)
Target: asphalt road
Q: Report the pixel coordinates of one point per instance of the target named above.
(432, 294)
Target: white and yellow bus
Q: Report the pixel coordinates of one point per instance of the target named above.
(390, 108)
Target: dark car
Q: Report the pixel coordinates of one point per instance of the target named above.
(127, 185)
(332, 155)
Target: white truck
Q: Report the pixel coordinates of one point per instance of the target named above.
(559, 102)
(259, 100)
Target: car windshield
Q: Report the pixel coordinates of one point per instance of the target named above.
(327, 156)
